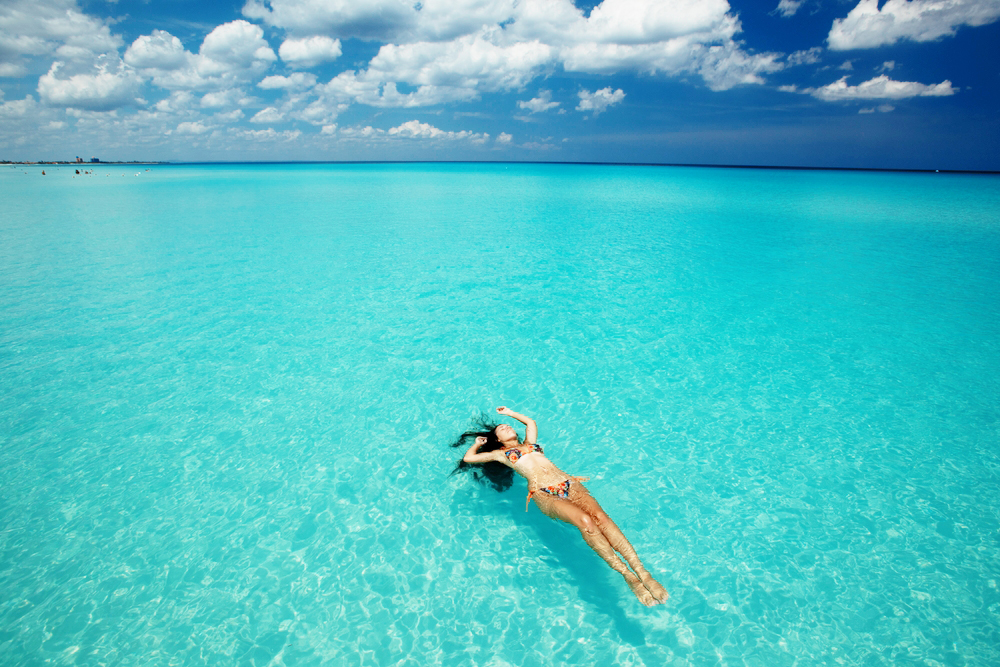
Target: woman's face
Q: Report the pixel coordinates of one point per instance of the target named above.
(505, 433)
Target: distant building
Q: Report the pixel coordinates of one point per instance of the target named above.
(93, 159)
(79, 159)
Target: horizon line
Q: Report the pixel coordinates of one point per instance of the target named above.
(539, 162)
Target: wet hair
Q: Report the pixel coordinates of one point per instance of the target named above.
(492, 473)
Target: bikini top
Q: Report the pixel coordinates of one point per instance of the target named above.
(514, 454)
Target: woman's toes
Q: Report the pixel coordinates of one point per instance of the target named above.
(657, 591)
(642, 593)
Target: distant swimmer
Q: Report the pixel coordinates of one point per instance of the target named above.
(499, 454)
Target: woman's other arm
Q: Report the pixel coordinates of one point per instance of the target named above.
(531, 435)
(473, 455)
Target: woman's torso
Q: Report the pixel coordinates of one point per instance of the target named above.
(529, 462)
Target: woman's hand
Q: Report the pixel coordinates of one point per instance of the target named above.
(531, 436)
(473, 455)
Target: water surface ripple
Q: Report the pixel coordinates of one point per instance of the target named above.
(228, 393)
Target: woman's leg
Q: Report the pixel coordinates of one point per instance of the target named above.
(564, 510)
(616, 538)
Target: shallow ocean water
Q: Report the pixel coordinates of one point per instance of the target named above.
(228, 393)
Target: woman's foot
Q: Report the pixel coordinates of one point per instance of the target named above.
(656, 589)
(658, 592)
(640, 590)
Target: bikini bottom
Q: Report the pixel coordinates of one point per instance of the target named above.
(560, 490)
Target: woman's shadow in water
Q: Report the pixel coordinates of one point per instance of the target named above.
(598, 585)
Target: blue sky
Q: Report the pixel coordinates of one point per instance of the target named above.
(853, 83)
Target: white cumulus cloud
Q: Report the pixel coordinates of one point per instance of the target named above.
(309, 51)
(414, 129)
(12, 70)
(538, 104)
(178, 101)
(882, 108)
(365, 88)
(266, 135)
(232, 53)
(159, 50)
(108, 85)
(229, 116)
(237, 43)
(232, 97)
(788, 7)
(867, 26)
(881, 87)
(451, 50)
(399, 21)
(484, 61)
(599, 100)
(805, 57)
(319, 112)
(296, 81)
(18, 108)
(645, 22)
(370, 20)
(367, 132)
(504, 138)
(24, 118)
(192, 127)
(45, 27)
(268, 115)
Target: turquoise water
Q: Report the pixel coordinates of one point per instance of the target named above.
(228, 393)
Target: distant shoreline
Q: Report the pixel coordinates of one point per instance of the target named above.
(605, 164)
(81, 163)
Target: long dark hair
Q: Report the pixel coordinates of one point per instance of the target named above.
(493, 473)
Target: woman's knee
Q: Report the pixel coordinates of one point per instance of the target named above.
(601, 518)
(586, 523)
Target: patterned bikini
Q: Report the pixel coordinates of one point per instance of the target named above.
(514, 454)
(560, 490)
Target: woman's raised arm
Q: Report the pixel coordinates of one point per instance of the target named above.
(472, 455)
(531, 435)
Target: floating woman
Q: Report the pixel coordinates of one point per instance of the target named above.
(498, 452)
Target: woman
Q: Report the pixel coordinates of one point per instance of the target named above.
(558, 495)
